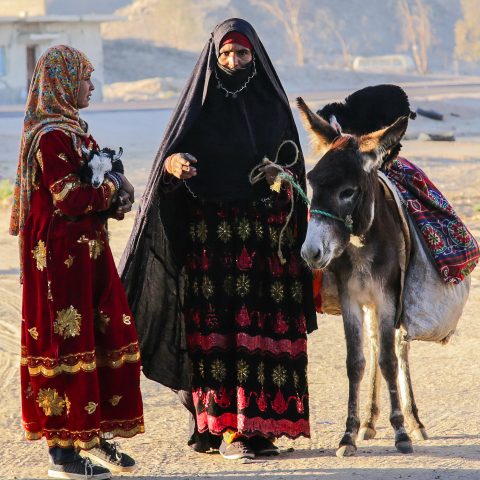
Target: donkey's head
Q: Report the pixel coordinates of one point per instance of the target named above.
(344, 183)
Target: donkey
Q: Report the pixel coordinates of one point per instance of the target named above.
(354, 234)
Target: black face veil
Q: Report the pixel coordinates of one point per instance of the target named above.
(152, 264)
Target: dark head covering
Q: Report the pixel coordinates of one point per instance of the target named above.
(152, 265)
(370, 109)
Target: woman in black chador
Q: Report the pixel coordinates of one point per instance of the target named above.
(219, 316)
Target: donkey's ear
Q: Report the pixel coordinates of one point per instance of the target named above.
(321, 132)
(376, 144)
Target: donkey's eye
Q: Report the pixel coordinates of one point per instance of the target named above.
(347, 193)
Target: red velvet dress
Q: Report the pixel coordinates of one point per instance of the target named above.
(80, 363)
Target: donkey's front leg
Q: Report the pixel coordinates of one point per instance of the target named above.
(389, 366)
(352, 323)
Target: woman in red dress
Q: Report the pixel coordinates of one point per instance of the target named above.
(80, 362)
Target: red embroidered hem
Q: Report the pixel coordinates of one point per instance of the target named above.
(251, 426)
(87, 439)
(257, 343)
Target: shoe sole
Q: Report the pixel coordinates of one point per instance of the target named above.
(103, 463)
(239, 456)
(77, 476)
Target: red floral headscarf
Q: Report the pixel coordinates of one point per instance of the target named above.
(51, 105)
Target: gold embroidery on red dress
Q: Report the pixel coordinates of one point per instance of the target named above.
(91, 407)
(49, 290)
(126, 319)
(68, 405)
(33, 333)
(67, 323)
(115, 400)
(40, 255)
(95, 246)
(69, 261)
(50, 401)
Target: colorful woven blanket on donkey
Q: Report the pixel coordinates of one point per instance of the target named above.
(454, 249)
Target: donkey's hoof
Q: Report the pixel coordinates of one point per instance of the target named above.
(366, 433)
(404, 446)
(346, 451)
(419, 434)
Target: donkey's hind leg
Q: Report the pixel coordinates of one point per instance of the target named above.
(409, 407)
(367, 429)
(389, 365)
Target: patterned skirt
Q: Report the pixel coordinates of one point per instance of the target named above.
(245, 319)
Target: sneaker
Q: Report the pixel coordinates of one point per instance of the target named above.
(109, 455)
(263, 446)
(236, 450)
(80, 469)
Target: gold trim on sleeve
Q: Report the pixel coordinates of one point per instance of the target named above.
(61, 188)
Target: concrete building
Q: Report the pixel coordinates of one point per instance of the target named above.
(27, 30)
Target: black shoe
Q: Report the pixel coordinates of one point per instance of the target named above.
(205, 442)
(263, 446)
(79, 469)
(236, 450)
(109, 455)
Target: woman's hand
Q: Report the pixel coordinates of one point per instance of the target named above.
(270, 174)
(127, 187)
(179, 165)
(123, 204)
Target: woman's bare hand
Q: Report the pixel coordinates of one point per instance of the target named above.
(180, 165)
(127, 187)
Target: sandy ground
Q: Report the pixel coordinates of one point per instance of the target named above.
(446, 379)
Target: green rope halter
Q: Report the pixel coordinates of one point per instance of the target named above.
(347, 221)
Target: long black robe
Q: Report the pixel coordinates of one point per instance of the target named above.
(152, 267)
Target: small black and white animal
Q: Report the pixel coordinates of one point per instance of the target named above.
(99, 163)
